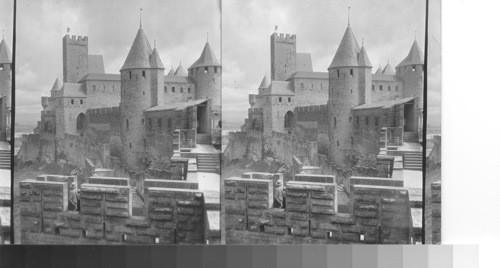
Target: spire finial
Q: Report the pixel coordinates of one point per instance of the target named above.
(415, 35)
(362, 41)
(207, 37)
(180, 63)
(387, 61)
(349, 17)
(140, 18)
(3, 34)
(155, 43)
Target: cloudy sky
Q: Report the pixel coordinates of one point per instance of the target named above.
(179, 27)
(388, 28)
(6, 21)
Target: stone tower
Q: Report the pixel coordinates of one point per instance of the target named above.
(349, 78)
(142, 77)
(5, 89)
(411, 70)
(206, 72)
(283, 56)
(75, 58)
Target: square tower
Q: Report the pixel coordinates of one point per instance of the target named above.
(283, 56)
(75, 58)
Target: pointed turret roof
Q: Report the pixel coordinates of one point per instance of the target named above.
(5, 56)
(155, 60)
(379, 70)
(172, 70)
(388, 69)
(363, 59)
(265, 82)
(347, 53)
(180, 71)
(138, 56)
(414, 56)
(57, 85)
(207, 58)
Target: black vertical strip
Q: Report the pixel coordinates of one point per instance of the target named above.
(12, 124)
(424, 127)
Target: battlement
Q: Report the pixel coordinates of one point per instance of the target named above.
(172, 216)
(76, 40)
(104, 111)
(48, 113)
(282, 38)
(255, 111)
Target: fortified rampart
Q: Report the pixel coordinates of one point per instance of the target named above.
(378, 214)
(172, 216)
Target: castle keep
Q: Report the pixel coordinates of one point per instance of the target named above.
(348, 140)
(141, 141)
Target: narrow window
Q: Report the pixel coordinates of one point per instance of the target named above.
(84, 233)
(262, 228)
(126, 121)
(366, 120)
(279, 99)
(93, 87)
(157, 240)
(301, 85)
(397, 88)
(216, 69)
(338, 144)
(351, 72)
(57, 230)
(130, 75)
(143, 93)
(150, 123)
(189, 89)
(144, 141)
(338, 73)
(329, 234)
(206, 70)
(335, 121)
(173, 89)
(182, 89)
(376, 121)
(130, 145)
(373, 87)
(352, 140)
(357, 120)
(389, 88)
(143, 73)
(159, 122)
(290, 230)
(165, 89)
(81, 101)
(414, 68)
(170, 122)
(289, 99)
(361, 237)
(124, 237)
(72, 101)
(381, 87)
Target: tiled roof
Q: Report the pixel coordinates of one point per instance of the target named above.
(280, 88)
(383, 104)
(100, 77)
(96, 64)
(265, 82)
(207, 58)
(5, 56)
(388, 69)
(178, 106)
(73, 90)
(303, 62)
(386, 77)
(414, 56)
(138, 56)
(180, 71)
(57, 85)
(155, 60)
(363, 59)
(347, 53)
(178, 79)
(309, 75)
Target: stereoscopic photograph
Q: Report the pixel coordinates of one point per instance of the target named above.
(6, 22)
(118, 122)
(323, 122)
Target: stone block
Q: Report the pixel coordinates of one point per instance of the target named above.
(118, 205)
(160, 217)
(117, 213)
(91, 196)
(53, 207)
(322, 210)
(189, 203)
(74, 233)
(91, 210)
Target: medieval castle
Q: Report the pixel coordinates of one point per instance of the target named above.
(349, 140)
(144, 143)
(5, 90)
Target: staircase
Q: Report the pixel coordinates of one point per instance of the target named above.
(203, 138)
(412, 161)
(208, 163)
(5, 159)
(410, 136)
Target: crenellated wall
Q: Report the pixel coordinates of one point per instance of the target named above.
(380, 214)
(172, 216)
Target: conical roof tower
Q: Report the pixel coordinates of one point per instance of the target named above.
(347, 53)
(414, 57)
(207, 58)
(5, 55)
(139, 55)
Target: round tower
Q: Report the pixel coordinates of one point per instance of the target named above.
(5, 89)
(349, 78)
(411, 71)
(141, 76)
(206, 72)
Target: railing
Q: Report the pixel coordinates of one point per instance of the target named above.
(393, 136)
(185, 138)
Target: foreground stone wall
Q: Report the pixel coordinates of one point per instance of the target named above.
(380, 214)
(172, 216)
(436, 212)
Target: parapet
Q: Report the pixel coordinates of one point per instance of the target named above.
(282, 38)
(76, 40)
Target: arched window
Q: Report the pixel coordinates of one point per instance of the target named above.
(289, 99)
(351, 72)
(381, 87)
(338, 73)
(81, 101)
(289, 120)
(279, 99)
(144, 74)
(81, 122)
(130, 74)
(72, 101)
(173, 89)
(127, 124)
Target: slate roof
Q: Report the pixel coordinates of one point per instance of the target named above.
(100, 77)
(414, 56)
(309, 75)
(155, 60)
(5, 56)
(303, 62)
(383, 104)
(388, 69)
(347, 53)
(96, 64)
(379, 70)
(280, 88)
(72, 90)
(172, 70)
(179, 79)
(57, 85)
(386, 77)
(265, 82)
(138, 56)
(180, 71)
(177, 106)
(363, 59)
(207, 58)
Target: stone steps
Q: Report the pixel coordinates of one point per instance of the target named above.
(5, 159)
(203, 139)
(412, 161)
(208, 163)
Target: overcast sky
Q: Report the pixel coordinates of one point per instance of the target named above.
(388, 28)
(6, 21)
(179, 27)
